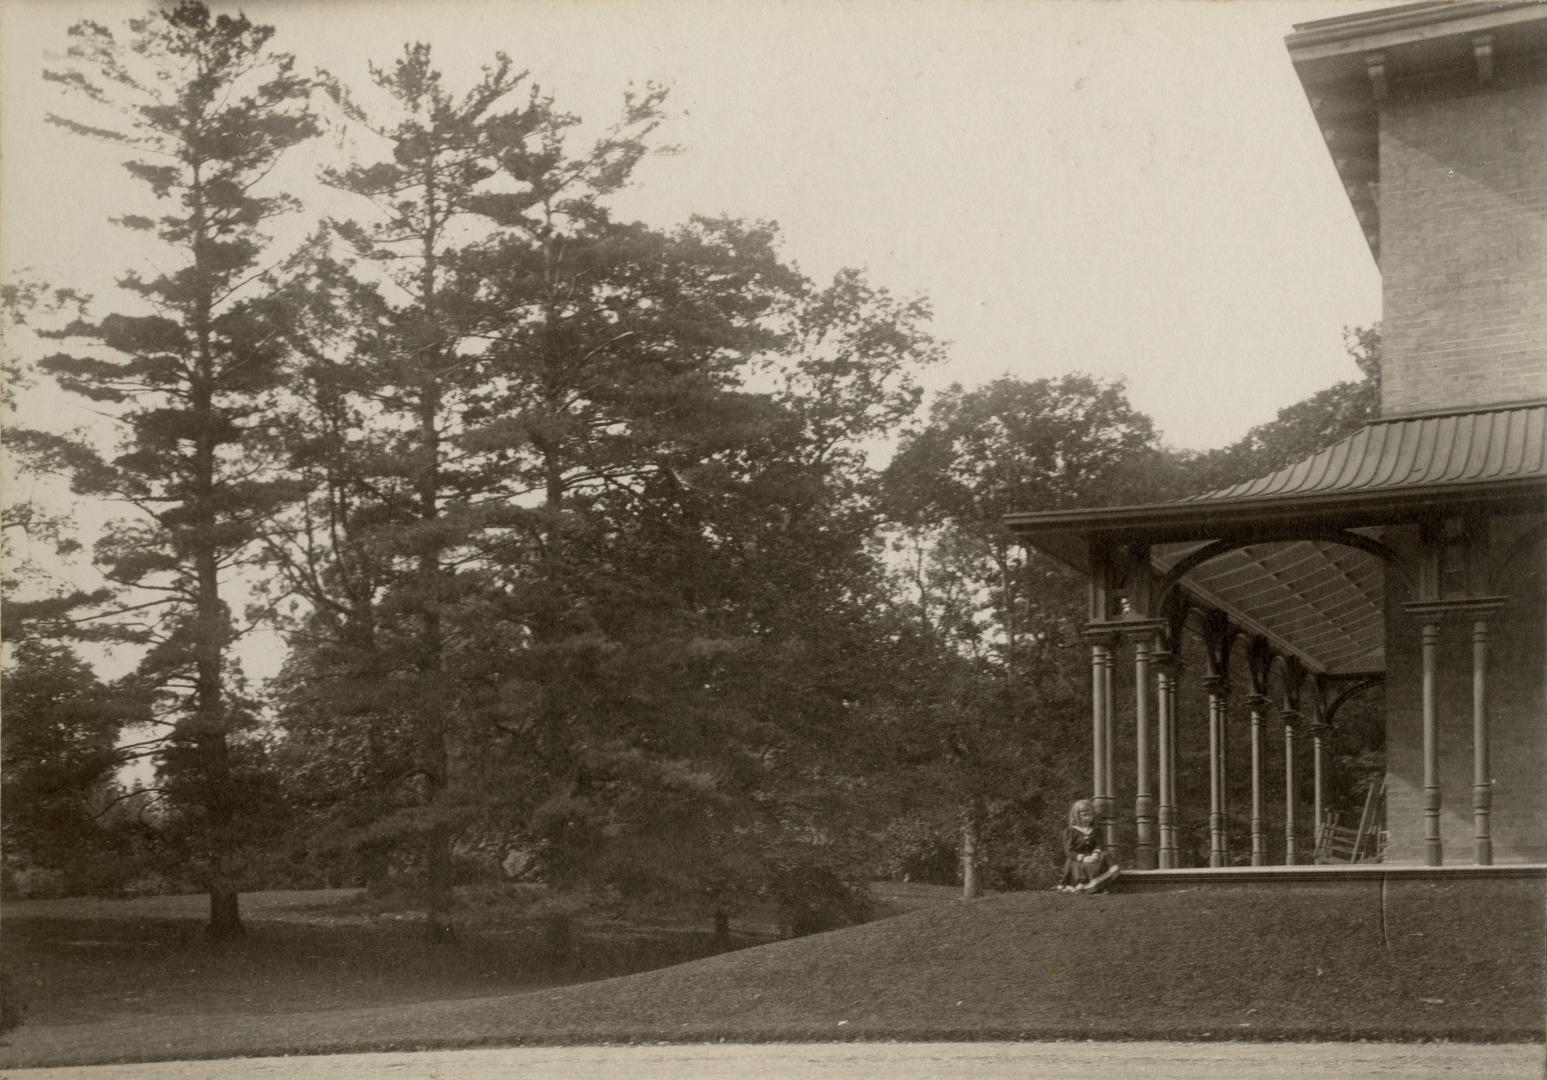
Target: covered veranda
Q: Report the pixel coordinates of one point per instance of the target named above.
(1408, 555)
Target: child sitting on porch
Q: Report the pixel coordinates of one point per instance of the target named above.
(1087, 865)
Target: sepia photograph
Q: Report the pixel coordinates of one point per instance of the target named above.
(874, 539)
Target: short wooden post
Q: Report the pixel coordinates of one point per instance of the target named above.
(971, 889)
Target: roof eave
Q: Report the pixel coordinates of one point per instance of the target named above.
(1338, 61)
(1389, 27)
(1066, 534)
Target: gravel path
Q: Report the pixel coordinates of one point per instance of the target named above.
(868, 1061)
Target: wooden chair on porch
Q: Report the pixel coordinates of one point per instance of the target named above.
(1339, 844)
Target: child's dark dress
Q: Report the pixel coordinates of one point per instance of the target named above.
(1078, 844)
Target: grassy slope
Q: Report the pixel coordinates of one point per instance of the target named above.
(1454, 962)
(1459, 960)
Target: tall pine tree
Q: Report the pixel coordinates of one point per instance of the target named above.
(207, 108)
(420, 504)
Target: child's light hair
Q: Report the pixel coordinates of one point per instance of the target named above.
(1074, 810)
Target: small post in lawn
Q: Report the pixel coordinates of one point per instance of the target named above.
(971, 888)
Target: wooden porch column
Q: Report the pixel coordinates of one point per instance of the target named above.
(1290, 719)
(1224, 771)
(1482, 785)
(1144, 799)
(1170, 763)
(1215, 686)
(1109, 688)
(1167, 711)
(1258, 705)
(1098, 727)
(1430, 614)
(1319, 733)
(1482, 771)
(1105, 604)
(1433, 850)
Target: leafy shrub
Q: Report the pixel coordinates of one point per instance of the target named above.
(810, 898)
(913, 849)
(34, 883)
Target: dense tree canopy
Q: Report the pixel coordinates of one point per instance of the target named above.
(561, 562)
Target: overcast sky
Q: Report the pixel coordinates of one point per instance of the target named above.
(1135, 190)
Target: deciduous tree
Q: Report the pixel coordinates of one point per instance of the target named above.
(1010, 446)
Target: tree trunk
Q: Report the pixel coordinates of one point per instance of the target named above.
(214, 753)
(435, 742)
(209, 645)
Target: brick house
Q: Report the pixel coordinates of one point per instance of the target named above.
(1412, 554)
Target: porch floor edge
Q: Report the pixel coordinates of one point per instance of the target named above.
(1323, 874)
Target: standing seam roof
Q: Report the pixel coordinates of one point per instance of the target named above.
(1494, 444)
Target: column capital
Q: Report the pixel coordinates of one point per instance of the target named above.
(1141, 630)
(1472, 607)
(1217, 685)
(1225, 717)
(1320, 729)
(1291, 718)
(1259, 703)
(1168, 661)
(1101, 634)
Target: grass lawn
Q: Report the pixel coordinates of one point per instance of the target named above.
(1458, 960)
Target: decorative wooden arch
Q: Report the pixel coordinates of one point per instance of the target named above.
(1522, 544)
(1175, 610)
(1259, 663)
(1186, 565)
(1347, 694)
(1219, 638)
(1292, 683)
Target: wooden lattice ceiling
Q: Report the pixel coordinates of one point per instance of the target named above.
(1317, 600)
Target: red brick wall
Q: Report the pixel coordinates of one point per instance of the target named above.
(1518, 716)
(1463, 219)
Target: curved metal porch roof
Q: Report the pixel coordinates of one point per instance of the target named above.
(1285, 577)
(1317, 600)
(1415, 451)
